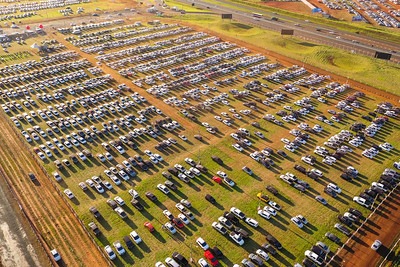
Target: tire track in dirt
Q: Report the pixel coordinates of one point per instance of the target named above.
(45, 207)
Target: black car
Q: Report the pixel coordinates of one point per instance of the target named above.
(319, 251)
(180, 259)
(268, 248)
(343, 229)
(243, 233)
(273, 241)
(346, 176)
(217, 252)
(300, 168)
(272, 189)
(167, 175)
(367, 197)
(355, 212)
(96, 231)
(332, 237)
(151, 196)
(309, 263)
(128, 242)
(95, 212)
(173, 171)
(32, 176)
(330, 192)
(210, 199)
(137, 204)
(345, 220)
(370, 193)
(170, 185)
(217, 160)
(282, 153)
(231, 217)
(143, 166)
(149, 163)
(313, 176)
(378, 190)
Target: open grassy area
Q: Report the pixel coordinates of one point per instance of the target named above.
(157, 246)
(183, 6)
(377, 73)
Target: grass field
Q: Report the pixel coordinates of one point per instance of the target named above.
(377, 73)
(183, 6)
(160, 244)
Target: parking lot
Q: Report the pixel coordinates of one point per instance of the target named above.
(132, 118)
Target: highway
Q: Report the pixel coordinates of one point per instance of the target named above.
(307, 30)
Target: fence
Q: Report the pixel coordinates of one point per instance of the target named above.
(20, 203)
(362, 224)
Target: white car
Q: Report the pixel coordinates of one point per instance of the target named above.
(180, 207)
(317, 172)
(379, 185)
(203, 244)
(222, 174)
(135, 237)
(219, 227)
(170, 227)
(334, 187)
(307, 160)
(376, 245)
(119, 200)
(69, 193)
(314, 257)
(361, 201)
(203, 263)
(119, 248)
(55, 254)
(163, 188)
(237, 147)
(133, 193)
(238, 213)
(110, 253)
(237, 238)
(264, 214)
(262, 254)
(251, 222)
(297, 222)
(229, 182)
(270, 210)
(285, 141)
(184, 219)
(274, 205)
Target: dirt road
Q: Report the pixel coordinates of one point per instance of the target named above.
(16, 248)
(384, 226)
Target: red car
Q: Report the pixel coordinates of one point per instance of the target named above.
(217, 179)
(178, 222)
(149, 226)
(210, 257)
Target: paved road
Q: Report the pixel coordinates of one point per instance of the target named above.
(15, 247)
(345, 40)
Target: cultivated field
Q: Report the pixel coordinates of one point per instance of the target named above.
(183, 46)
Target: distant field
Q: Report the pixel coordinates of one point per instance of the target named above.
(91, 7)
(377, 73)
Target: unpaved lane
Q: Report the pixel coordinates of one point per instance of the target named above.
(15, 246)
(383, 225)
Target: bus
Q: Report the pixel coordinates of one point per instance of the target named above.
(257, 15)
